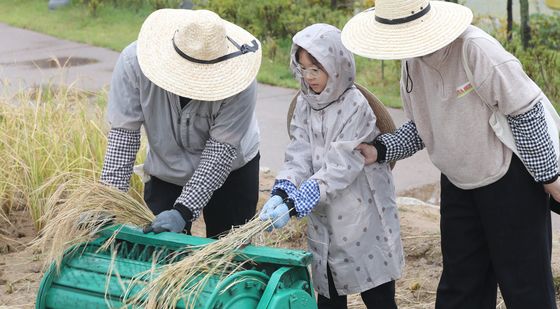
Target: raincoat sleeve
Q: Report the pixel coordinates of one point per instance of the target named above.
(297, 161)
(342, 163)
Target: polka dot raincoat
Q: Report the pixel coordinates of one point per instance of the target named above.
(355, 226)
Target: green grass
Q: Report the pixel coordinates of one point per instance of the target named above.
(381, 78)
(115, 28)
(275, 68)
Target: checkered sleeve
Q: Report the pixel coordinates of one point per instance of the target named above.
(534, 144)
(283, 187)
(401, 144)
(122, 147)
(306, 198)
(211, 173)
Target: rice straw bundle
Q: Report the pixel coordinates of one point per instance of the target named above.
(185, 279)
(80, 208)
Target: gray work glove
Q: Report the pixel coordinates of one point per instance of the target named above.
(167, 221)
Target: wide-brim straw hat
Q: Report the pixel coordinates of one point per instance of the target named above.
(404, 29)
(193, 53)
(384, 121)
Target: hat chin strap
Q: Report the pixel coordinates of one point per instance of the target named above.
(243, 49)
(404, 20)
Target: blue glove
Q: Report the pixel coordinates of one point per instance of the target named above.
(167, 221)
(276, 210)
(272, 202)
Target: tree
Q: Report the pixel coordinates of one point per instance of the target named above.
(525, 29)
(509, 19)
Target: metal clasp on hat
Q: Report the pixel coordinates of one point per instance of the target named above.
(243, 49)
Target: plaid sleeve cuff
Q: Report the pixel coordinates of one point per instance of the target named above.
(122, 147)
(283, 187)
(306, 198)
(551, 180)
(381, 150)
(211, 173)
(534, 144)
(401, 144)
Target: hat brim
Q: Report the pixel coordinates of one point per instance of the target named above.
(366, 37)
(207, 82)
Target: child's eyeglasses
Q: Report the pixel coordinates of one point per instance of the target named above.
(312, 72)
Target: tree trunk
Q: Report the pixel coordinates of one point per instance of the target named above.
(509, 19)
(525, 29)
(334, 4)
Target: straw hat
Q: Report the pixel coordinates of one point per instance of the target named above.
(384, 121)
(402, 29)
(196, 54)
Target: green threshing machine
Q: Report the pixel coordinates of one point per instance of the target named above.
(275, 278)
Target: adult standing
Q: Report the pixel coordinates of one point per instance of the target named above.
(189, 81)
(495, 220)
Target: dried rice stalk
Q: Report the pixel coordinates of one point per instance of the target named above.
(109, 276)
(79, 209)
(4, 217)
(77, 199)
(6, 239)
(185, 279)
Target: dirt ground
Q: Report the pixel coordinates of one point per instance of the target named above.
(20, 268)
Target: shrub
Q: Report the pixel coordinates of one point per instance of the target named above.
(160, 4)
(276, 19)
(92, 6)
(542, 65)
(545, 30)
(541, 62)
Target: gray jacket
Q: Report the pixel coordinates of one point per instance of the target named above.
(176, 135)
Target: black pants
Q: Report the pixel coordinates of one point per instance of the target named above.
(499, 234)
(379, 297)
(234, 203)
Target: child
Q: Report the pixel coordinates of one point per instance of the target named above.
(353, 227)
